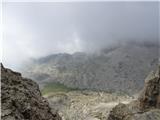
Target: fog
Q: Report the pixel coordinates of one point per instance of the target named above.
(32, 30)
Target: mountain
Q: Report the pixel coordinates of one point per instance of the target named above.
(100, 105)
(22, 100)
(118, 68)
(146, 107)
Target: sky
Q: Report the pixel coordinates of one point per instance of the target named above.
(36, 29)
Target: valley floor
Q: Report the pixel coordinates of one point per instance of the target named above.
(85, 105)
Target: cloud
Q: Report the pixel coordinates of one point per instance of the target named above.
(33, 30)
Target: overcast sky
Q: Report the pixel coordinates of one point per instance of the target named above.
(33, 30)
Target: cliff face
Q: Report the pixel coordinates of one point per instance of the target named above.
(21, 99)
(147, 107)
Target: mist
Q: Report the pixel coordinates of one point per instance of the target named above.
(33, 30)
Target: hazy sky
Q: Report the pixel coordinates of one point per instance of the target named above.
(33, 30)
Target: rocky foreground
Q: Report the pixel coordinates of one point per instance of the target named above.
(85, 105)
(147, 107)
(21, 99)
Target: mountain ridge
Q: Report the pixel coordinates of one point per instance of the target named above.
(110, 69)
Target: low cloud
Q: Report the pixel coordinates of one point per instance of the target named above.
(32, 30)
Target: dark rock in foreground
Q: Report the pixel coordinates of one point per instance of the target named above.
(150, 96)
(147, 107)
(21, 99)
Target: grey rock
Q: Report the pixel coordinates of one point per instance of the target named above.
(22, 100)
(146, 107)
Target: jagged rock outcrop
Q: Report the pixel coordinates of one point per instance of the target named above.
(150, 96)
(21, 99)
(147, 107)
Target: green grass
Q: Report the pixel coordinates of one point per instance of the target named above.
(56, 87)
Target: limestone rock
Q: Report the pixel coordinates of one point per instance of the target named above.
(147, 107)
(150, 96)
(150, 115)
(21, 99)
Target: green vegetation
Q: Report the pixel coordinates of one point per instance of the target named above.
(56, 87)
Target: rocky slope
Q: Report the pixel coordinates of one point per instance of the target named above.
(85, 104)
(119, 68)
(92, 105)
(21, 99)
(147, 107)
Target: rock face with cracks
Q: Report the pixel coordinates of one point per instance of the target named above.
(147, 107)
(22, 100)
